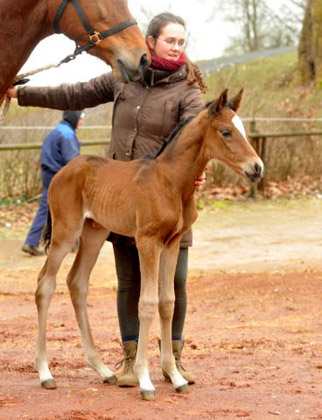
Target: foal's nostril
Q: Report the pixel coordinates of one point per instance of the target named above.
(256, 172)
(258, 169)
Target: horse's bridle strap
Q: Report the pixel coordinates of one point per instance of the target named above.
(94, 36)
(58, 15)
(117, 28)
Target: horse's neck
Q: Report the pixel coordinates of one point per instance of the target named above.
(19, 34)
(185, 159)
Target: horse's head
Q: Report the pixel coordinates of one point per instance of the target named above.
(108, 27)
(226, 138)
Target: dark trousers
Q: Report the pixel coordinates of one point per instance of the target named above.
(128, 292)
(34, 235)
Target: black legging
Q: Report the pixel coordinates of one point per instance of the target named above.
(128, 293)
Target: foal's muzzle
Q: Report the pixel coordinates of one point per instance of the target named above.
(256, 173)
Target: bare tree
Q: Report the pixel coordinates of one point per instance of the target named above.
(310, 46)
(259, 27)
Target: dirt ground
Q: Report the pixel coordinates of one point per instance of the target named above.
(253, 328)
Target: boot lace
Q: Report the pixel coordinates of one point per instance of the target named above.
(178, 363)
(127, 362)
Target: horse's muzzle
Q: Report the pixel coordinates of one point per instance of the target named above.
(128, 73)
(257, 172)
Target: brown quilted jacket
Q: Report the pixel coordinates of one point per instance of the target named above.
(143, 114)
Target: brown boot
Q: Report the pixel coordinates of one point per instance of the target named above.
(177, 346)
(127, 378)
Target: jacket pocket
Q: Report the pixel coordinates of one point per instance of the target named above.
(118, 97)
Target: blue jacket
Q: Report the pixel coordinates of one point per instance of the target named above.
(60, 146)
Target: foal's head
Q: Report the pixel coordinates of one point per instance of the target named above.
(226, 138)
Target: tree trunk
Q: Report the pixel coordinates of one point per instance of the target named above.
(310, 46)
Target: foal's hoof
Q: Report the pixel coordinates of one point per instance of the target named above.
(183, 389)
(148, 395)
(110, 380)
(49, 384)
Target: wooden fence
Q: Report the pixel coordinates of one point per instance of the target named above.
(258, 139)
(35, 146)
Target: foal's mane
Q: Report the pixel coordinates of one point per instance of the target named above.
(174, 133)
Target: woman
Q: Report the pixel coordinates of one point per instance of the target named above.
(144, 114)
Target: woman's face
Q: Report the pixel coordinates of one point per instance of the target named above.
(170, 43)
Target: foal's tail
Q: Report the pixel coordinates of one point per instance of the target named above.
(46, 232)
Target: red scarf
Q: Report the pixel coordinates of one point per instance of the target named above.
(165, 64)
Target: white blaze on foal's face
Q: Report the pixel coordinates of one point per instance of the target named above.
(240, 126)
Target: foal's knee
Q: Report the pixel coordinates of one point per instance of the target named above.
(78, 290)
(147, 309)
(166, 308)
(44, 291)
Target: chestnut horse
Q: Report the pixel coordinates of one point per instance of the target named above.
(103, 27)
(150, 199)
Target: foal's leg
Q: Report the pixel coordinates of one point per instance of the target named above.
(61, 243)
(149, 254)
(168, 262)
(91, 242)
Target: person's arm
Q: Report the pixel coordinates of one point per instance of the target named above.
(67, 97)
(191, 103)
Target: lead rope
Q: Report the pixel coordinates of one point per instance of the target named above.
(21, 79)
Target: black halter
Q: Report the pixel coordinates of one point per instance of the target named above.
(94, 36)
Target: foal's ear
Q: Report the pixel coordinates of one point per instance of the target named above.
(235, 102)
(220, 103)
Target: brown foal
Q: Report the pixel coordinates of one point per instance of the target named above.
(150, 199)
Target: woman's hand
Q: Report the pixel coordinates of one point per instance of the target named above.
(200, 181)
(12, 92)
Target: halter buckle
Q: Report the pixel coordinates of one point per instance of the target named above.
(95, 38)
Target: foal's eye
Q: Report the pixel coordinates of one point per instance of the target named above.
(225, 133)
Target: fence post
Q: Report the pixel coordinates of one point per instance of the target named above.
(262, 183)
(252, 130)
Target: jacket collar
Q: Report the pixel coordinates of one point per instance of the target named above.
(154, 76)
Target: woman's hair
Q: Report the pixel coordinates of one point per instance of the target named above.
(155, 27)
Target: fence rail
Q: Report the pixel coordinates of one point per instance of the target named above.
(259, 139)
(35, 146)
(28, 127)
(262, 137)
(285, 134)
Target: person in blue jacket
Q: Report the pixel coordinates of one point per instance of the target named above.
(60, 146)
